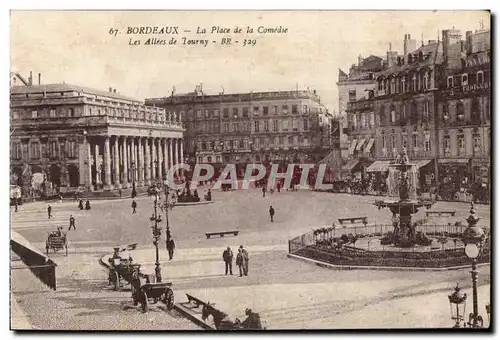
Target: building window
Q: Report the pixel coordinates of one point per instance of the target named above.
(275, 110)
(451, 82)
(72, 149)
(52, 113)
(403, 112)
(216, 113)
(393, 115)
(290, 140)
(53, 150)
(275, 125)
(393, 141)
(465, 79)
(265, 110)
(198, 114)
(460, 111)
(285, 124)
(200, 159)
(414, 83)
(207, 114)
(236, 127)
(15, 151)
(304, 109)
(284, 109)
(384, 145)
(393, 85)
(306, 124)
(477, 144)
(294, 109)
(447, 146)
(405, 142)
(245, 112)
(352, 95)
(266, 125)
(255, 110)
(415, 141)
(480, 77)
(235, 112)
(226, 127)
(256, 126)
(461, 144)
(295, 140)
(241, 144)
(34, 114)
(226, 112)
(209, 159)
(446, 111)
(426, 110)
(403, 84)
(427, 144)
(372, 119)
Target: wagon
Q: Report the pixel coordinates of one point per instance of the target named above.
(122, 271)
(56, 241)
(152, 293)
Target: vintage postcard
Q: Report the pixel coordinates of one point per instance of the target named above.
(250, 170)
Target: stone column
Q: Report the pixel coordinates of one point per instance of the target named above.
(117, 162)
(147, 161)
(133, 161)
(160, 159)
(96, 163)
(165, 155)
(170, 157)
(181, 156)
(107, 165)
(88, 162)
(153, 159)
(140, 181)
(125, 164)
(175, 151)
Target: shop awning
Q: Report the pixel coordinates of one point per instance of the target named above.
(379, 166)
(350, 165)
(369, 146)
(360, 144)
(353, 146)
(423, 162)
(453, 161)
(40, 265)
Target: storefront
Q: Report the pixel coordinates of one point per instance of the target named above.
(454, 174)
(377, 173)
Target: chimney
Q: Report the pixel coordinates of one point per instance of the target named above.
(30, 80)
(468, 42)
(110, 89)
(39, 78)
(114, 90)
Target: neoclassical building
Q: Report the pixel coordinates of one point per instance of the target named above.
(82, 139)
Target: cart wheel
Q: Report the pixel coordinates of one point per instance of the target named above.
(116, 281)
(156, 299)
(144, 302)
(168, 298)
(134, 295)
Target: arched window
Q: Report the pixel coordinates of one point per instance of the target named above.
(403, 84)
(446, 111)
(460, 110)
(480, 77)
(393, 85)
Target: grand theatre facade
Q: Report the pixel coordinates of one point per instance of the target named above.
(70, 138)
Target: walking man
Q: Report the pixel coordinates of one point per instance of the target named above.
(244, 253)
(134, 206)
(49, 211)
(271, 213)
(71, 222)
(170, 247)
(239, 262)
(263, 191)
(227, 256)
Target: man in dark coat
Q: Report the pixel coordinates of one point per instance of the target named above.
(134, 206)
(227, 256)
(87, 205)
(71, 222)
(170, 248)
(80, 205)
(49, 211)
(244, 253)
(271, 213)
(239, 262)
(263, 191)
(252, 321)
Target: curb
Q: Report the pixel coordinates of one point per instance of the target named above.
(187, 204)
(197, 321)
(352, 267)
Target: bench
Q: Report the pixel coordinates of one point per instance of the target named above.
(441, 213)
(222, 233)
(196, 301)
(353, 220)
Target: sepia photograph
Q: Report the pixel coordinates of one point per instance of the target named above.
(153, 153)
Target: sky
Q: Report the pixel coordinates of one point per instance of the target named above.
(76, 47)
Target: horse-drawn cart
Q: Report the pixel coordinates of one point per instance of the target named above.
(56, 240)
(151, 292)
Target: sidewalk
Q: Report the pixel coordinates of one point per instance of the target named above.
(18, 319)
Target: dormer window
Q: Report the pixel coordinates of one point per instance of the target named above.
(403, 84)
(414, 83)
(465, 79)
(480, 77)
(393, 85)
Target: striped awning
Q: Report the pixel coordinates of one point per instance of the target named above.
(350, 165)
(379, 166)
(369, 145)
(39, 264)
(360, 144)
(353, 146)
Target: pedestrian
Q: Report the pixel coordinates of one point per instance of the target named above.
(278, 186)
(134, 206)
(227, 256)
(244, 253)
(87, 205)
(170, 247)
(120, 192)
(80, 205)
(239, 262)
(71, 222)
(49, 211)
(15, 204)
(263, 191)
(271, 212)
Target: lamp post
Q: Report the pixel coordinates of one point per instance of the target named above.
(168, 205)
(473, 238)
(156, 219)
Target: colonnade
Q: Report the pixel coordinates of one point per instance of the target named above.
(116, 162)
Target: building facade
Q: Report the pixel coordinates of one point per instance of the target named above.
(433, 102)
(255, 127)
(73, 138)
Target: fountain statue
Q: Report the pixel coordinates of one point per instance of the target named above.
(403, 200)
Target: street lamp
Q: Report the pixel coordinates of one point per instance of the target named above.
(169, 205)
(156, 219)
(134, 192)
(473, 238)
(457, 306)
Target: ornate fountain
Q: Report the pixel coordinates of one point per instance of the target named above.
(403, 201)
